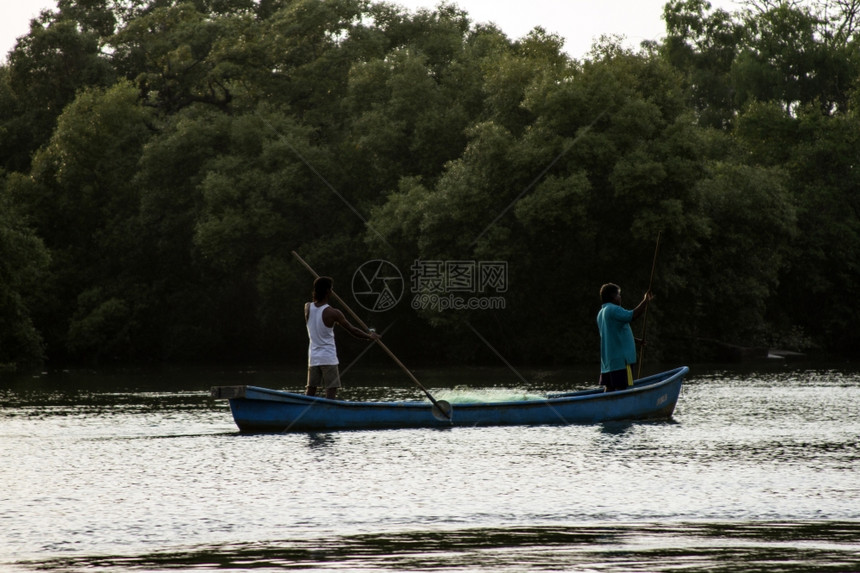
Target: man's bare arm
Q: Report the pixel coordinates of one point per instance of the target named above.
(338, 318)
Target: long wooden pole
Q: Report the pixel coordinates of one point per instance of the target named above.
(645, 314)
(438, 405)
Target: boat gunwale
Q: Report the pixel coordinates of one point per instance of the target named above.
(643, 385)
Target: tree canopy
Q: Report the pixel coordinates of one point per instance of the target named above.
(161, 159)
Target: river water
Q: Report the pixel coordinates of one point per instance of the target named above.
(142, 471)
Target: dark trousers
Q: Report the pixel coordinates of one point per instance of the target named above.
(617, 379)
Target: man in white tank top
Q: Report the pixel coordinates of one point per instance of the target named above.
(322, 352)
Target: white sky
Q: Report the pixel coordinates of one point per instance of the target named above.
(579, 22)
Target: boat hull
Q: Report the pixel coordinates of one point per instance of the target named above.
(257, 409)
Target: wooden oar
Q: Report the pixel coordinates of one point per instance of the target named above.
(645, 314)
(441, 409)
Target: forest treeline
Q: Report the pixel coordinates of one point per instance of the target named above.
(161, 159)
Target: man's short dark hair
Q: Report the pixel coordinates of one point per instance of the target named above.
(322, 286)
(608, 292)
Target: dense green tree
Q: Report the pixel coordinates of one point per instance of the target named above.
(819, 153)
(791, 69)
(262, 198)
(82, 204)
(548, 174)
(704, 47)
(165, 157)
(167, 53)
(788, 59)
(409, 106)
(183, 319)
(790, 52)
(24, 264)
(45, 70)
(611, 159)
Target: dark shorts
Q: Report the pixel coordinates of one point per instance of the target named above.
(325, 376)
(617, 379)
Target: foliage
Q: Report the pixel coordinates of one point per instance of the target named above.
(163, 159)
(23, 265)
(45, 70)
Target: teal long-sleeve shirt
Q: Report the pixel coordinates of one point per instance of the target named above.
(617, 347)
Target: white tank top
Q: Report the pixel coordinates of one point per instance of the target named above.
(321, 351)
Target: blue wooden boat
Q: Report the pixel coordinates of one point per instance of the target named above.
(257, 409)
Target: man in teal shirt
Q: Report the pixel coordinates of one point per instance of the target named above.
(617, 345)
